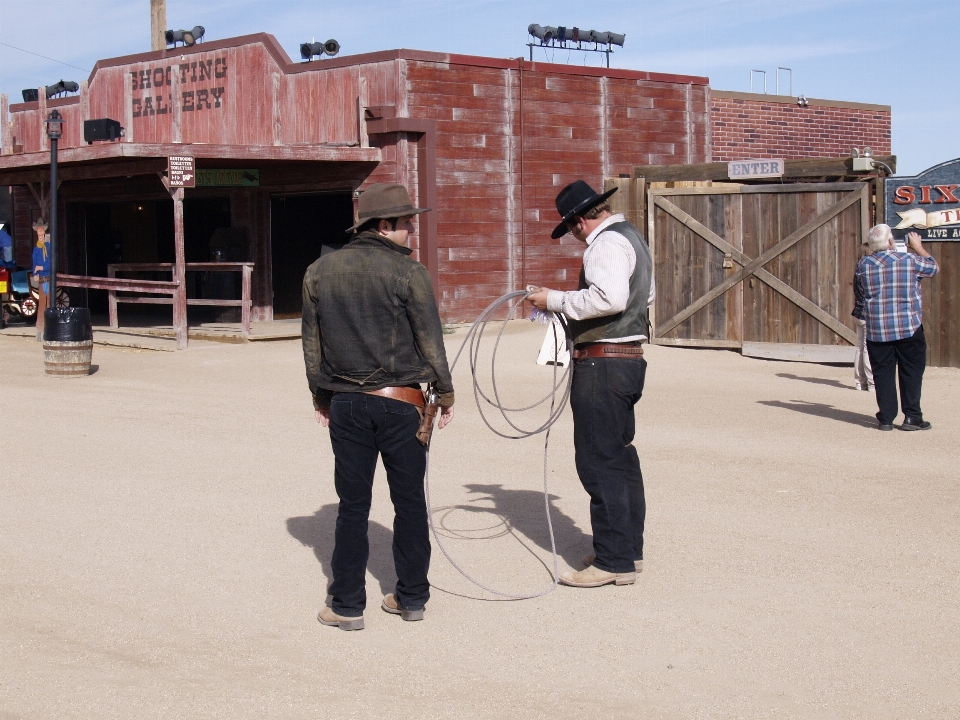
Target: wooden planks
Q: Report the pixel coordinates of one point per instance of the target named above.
(795, 251)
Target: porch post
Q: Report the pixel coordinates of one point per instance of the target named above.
(179, 272)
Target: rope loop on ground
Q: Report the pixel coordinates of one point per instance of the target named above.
(473, 341)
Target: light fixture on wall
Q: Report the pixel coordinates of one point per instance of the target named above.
(187, 37)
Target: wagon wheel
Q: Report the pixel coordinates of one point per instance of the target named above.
(28, 307)
(63, 299)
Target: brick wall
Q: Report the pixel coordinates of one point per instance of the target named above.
(748, 125)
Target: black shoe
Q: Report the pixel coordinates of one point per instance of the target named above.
(884, 426)
(911, 424)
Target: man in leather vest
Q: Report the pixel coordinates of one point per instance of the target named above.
(371, 335)
(607, 318)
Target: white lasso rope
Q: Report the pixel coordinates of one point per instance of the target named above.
(473, 338)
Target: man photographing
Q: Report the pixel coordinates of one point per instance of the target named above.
(371, 335)
(607, 318)
(889, 281)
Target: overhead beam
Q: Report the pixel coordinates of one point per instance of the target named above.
(717, 171)
(85, 172)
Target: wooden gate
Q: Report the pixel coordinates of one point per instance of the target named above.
(765, 268)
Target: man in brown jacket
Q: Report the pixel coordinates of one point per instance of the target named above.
(371, 335)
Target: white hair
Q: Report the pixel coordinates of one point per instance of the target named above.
(879, 237)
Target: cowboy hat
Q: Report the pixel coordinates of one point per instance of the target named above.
(383, 200)
(575, 199)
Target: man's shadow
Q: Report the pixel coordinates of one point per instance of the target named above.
(822, 410)
(524, 511)
(817, 381)
(317, 531)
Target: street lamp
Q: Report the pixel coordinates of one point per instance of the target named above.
(54, 131)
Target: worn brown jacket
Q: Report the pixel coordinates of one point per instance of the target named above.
(370, 321)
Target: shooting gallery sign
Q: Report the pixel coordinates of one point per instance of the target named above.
(201, 87)
(928, 203)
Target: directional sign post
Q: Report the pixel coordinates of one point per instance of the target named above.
(181, 172)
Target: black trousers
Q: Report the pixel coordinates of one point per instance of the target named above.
(363, 427)
(602, 399)
(906, 359)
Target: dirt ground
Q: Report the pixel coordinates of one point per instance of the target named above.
(166, 527)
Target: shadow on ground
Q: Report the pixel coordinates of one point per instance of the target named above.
(824, 411)
(817, 381)
(524, 511)
(317, 531)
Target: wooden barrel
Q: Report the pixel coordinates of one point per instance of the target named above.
(67, 342)
(67, 359)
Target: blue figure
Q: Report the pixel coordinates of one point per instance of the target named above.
(41, 257)
(6, 250)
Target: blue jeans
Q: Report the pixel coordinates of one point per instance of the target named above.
(603, 395)
(363, 427)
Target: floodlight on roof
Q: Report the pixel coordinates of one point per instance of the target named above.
(58, 88)
(187, 37)
(62, 87)
(574, 39)
(310, 50)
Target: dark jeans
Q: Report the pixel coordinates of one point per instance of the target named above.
(603, 395)
(907, 359)
(361, 427)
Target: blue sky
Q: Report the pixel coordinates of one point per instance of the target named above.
(892, 52)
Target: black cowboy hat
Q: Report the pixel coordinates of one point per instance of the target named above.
(384, 200)
(575, 199)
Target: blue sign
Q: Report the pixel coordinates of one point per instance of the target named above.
(928, 203)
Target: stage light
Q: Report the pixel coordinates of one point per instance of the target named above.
(543, 34)
(187, 37)
(59, 88)
(548, 34)
(64, 86)
(310, 50)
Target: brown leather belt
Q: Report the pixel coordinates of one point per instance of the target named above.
(403, 394)
(608, 350)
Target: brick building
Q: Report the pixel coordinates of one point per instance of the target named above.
(751, 125)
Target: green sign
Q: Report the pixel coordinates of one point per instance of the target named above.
(228, 178)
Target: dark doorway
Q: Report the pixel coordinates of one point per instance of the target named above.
(303, 227)
(142, 232)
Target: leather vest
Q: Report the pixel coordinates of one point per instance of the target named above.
(633, 320)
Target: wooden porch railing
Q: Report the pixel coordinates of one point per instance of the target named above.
(112, 284)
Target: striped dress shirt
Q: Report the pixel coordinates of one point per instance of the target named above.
(608, 263)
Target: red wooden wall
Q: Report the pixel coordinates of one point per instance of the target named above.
(509, 135)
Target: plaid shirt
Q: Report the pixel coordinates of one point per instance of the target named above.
(891, 293)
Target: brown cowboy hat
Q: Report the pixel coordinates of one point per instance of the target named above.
(384, 200)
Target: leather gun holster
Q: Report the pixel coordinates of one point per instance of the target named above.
(428, 415)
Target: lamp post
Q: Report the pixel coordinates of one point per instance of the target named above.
(54, 131)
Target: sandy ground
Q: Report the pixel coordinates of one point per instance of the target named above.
(165, 548)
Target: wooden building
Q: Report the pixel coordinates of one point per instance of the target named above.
(282, 149)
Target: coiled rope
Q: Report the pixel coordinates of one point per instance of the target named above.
(473, 338)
